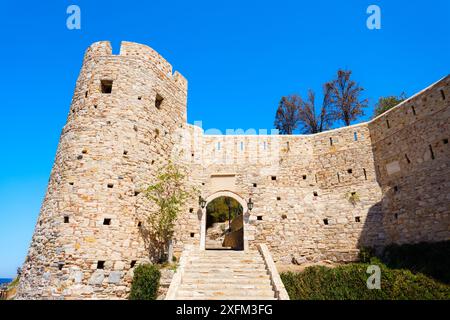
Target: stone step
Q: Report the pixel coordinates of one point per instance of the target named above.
(189, 275)
(236, 285)
(226, 293)
(246, 281)
(228, 268)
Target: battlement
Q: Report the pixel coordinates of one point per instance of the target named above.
(137, 51)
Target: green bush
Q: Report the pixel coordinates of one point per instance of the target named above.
(145, 282)
(348, 282)
(431, 259)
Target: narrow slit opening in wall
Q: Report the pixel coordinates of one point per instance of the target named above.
(315, 177)
(158, 101)
(139, 224)
(407, 158)
(365, 174)
(331, 141)
(395, 188)
(133, 263)
(106, 86)
(338, 177)
(242, 145)
(259, 218)
(100, 264)
(431, 151)
(218, 145)
(86, 94)
(413, 110)
(107, 222)
(388, 124)
(355, 136)
(66, 219)
(442, 94)
(325, 222)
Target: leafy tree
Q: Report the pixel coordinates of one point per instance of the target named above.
(287, 117)
(345, 97)
(386, 103)
(309, 119)
(221, 208)
(168, 195)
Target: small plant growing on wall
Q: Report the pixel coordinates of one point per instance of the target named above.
(168, 195)
(353, 198)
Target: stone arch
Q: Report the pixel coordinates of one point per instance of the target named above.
(218, 194)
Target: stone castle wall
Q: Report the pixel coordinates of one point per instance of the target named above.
(89, 233)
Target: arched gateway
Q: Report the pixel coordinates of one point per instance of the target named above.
(245, 216)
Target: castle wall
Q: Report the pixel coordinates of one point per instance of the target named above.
(412, 153)
(315, 197)
(111, 146)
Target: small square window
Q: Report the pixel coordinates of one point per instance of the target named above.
(255, 185)
(274, 178)
(315, 194)
(259, 218)
(325, 222)
(110, 185)
(139, 224)
(278, 198)
(106, 221)
(136, 193)
(350, 171)
(395, 188)
(445, 141)
(60, 266)
(158, 101)
(100, 264)
(191, 210)
(106, 86)
(133, 263)
(192, 234)
(357, 219)
(66, 219)
(304, 177)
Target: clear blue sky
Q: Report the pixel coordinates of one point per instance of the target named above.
(239, 60)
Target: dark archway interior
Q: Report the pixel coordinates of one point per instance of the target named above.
(224, 224)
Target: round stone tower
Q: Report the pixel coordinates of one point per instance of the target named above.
(119, 133)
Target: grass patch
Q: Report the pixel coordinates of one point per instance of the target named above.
(348, 282)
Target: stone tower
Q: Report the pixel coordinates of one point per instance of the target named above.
(119, 131)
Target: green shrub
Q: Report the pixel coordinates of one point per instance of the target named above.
(431, 259)
(145, 282)
(349, 283)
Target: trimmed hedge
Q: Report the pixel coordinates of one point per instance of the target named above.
(431, 259)
(348, 282)
(145, 282)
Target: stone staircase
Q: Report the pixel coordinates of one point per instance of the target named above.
(222, 275)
